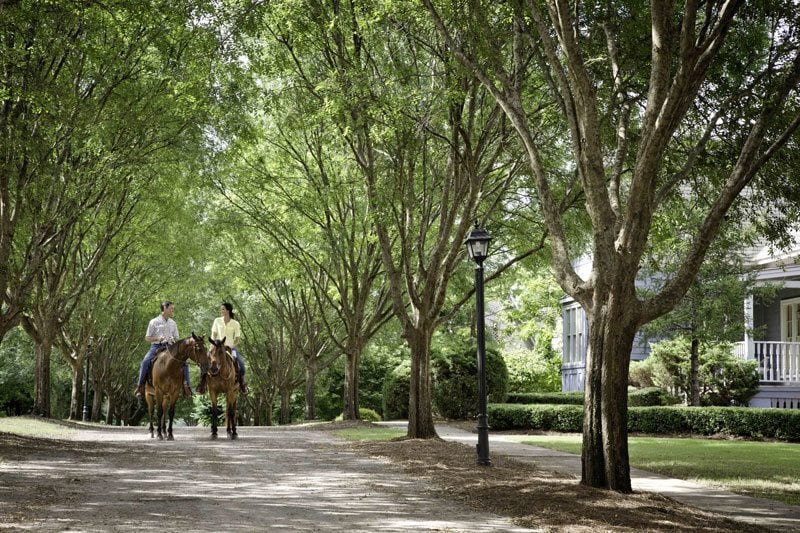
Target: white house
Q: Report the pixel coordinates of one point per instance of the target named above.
(777, 353)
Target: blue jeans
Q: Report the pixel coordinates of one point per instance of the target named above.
(147, 364)
(239, 359)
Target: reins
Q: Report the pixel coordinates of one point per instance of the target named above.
(171, 356)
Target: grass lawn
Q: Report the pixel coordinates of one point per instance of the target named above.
(763, 469)
(32, 427)
(371, 433)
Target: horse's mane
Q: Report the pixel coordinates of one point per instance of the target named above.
(173, 348)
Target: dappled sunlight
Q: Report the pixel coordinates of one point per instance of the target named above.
(199, 484)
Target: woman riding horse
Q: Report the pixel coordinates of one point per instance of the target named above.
(222, 380)
(168, 380)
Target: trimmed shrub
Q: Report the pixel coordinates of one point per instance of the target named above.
(396, 392)
(651, 396)
(455, 388)
(364, 413)
(568, 418)
(637, 398)
(749, 422)
(554, 398)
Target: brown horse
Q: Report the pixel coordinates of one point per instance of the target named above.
(167, 384)
(222, 380)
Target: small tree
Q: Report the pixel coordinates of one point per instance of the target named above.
(723, 379)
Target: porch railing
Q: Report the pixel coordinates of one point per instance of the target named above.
(777, 361)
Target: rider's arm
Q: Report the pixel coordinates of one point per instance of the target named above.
(152, 334)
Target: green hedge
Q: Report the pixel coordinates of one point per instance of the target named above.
(733, 421)
(650, 396)
(551, 398)
(637, 398)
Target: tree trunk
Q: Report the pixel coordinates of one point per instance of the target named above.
(110, 412)
(311, 379)
(420, 412)
(593, 471)
(41, 405)
(268, 414)
(286, 408)
(76, 395)
(350, 403)
(97, 401)
(605, 461)
(694, 373)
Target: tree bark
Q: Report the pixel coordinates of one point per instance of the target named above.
(76, 395)
(311, 380)
(694, 373)
(286, 408)
(41, 405)
(420, 412)
(613, 323)
(350, 407)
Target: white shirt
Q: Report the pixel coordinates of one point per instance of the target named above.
(159, 327)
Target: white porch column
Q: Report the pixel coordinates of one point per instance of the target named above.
(749, 348)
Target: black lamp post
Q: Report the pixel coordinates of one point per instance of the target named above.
(478, 246)
(86, 382)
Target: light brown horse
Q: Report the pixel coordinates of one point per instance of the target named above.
(167, 384)
(222, 380)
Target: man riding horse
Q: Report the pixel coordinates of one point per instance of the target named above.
(161, 332)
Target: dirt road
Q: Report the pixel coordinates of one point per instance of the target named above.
(276, 479)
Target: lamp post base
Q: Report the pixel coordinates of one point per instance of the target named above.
(483, 441)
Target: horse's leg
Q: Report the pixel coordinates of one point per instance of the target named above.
(160, 417)
(213, 398)
(150, 413)
(171, 418)
(232, 419)
(228, 414)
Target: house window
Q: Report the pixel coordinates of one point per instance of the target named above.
(574, 334)
(790, 320)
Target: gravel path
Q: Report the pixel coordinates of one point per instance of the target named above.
(277, 479)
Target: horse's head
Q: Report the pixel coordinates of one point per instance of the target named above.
(197, 349)
(217, 355)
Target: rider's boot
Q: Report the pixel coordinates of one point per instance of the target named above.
(140, 391)
(201, 387)
(243, 389)
(187, 391)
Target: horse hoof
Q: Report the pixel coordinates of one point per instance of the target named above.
(234, 436)
(161, 437)
(170, 437)
(213, 436)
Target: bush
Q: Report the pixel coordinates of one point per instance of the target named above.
(396, 392)
(571, 398)
(651, 396)
(724, 379)
(568, 418)
(643, 397)
(534, 370)
(455, 388)
(750, 422)
(364, 413)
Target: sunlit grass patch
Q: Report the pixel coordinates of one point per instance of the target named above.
(34, 427)
(370, 433)
(761, 469)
